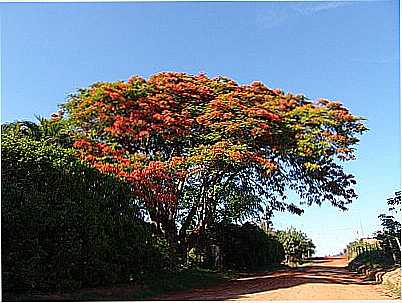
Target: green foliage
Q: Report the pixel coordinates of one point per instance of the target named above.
(388, 240)
(371, 259)
(390, 235)
(164, 282)
(181, 280)
(54, 130)
(244, 246)
(198, 150)
(65, 225)
(296, 244)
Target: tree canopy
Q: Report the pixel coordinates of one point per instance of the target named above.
(198, 149)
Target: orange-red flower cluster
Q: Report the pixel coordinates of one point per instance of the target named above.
(156, 132)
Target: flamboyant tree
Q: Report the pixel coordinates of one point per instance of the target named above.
(199, 149)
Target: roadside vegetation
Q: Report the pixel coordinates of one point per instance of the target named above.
(298, 247)
(67, 226)
(161, 184)
(379, 258)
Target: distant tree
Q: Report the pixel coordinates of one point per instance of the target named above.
(199, 150)
(296, 244)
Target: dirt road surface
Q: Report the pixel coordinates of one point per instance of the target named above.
(324, 279)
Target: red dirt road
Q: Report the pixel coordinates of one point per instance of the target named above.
(324, 279)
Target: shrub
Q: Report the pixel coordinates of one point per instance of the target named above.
(245, 246)
(371, 259)
(65, 225)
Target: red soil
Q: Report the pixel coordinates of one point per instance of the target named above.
(324, 279)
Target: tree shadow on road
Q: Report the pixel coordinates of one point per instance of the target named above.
(280, 279)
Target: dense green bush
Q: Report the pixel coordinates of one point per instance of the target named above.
(296, 244)
(371, 259)
(65, 225)
(244, 246)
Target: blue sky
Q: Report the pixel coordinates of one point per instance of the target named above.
(347, 51)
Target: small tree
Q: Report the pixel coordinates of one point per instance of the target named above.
(296, 244)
